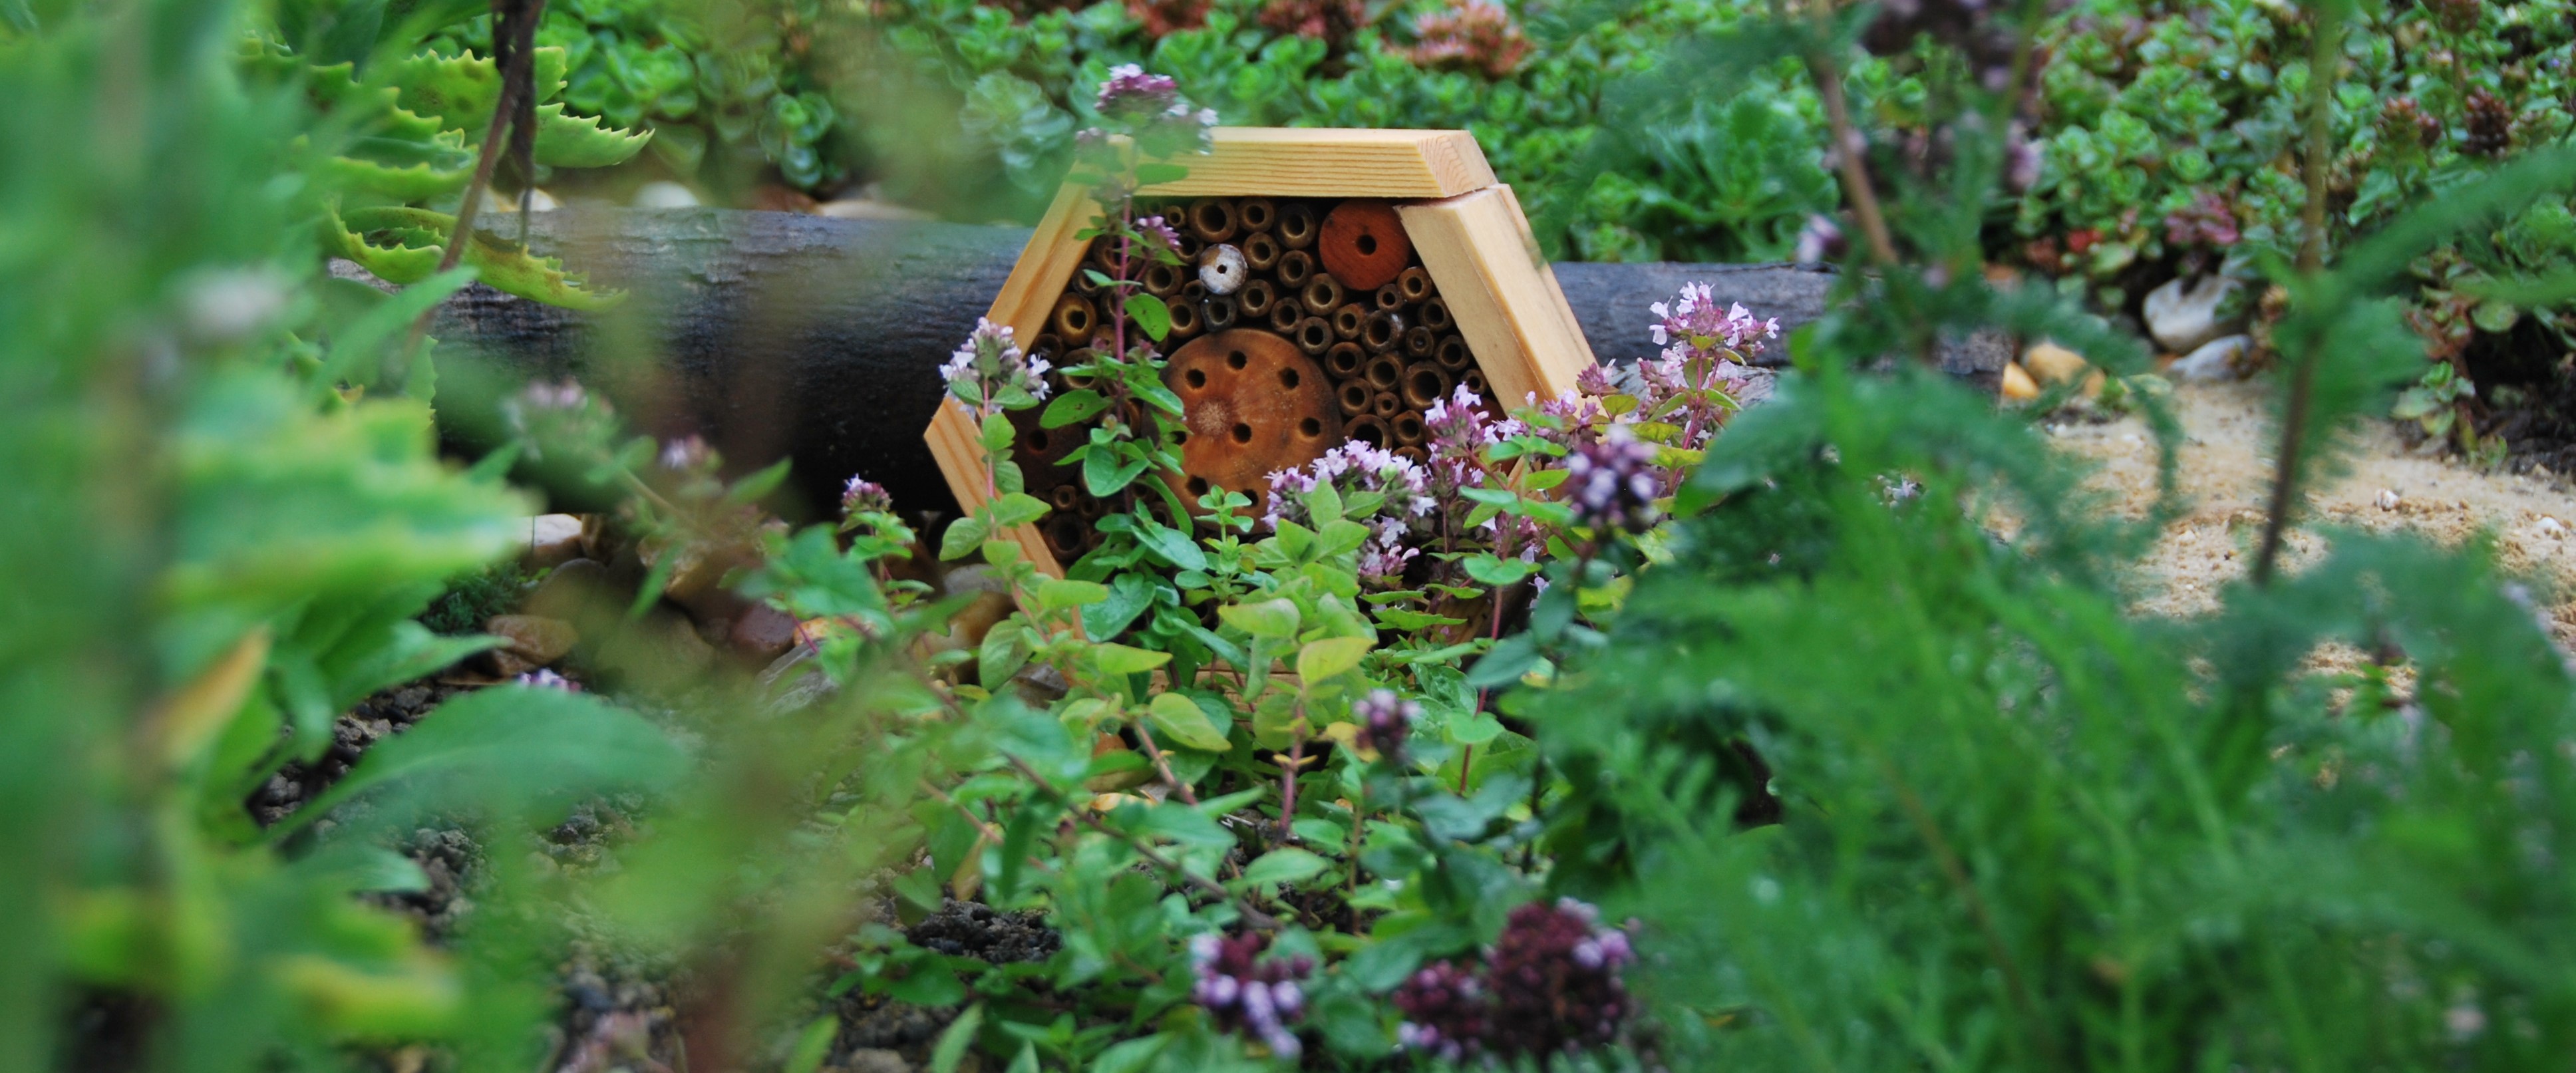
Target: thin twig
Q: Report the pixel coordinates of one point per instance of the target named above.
(505, 105)
(2322, 71)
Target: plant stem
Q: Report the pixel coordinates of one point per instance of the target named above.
(505, 104)
(2323, 65)
(1251, 916)
(1162, 766)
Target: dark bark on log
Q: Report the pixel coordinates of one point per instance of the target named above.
(781, 335)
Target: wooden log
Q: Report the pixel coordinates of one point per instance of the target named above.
(777, 335)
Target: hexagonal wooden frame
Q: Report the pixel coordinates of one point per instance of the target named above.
(1467, 229)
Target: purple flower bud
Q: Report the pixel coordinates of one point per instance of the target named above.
(1608, 482)
(863, 496)
(1821, 240)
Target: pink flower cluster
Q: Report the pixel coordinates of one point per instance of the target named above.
(1690, 326)
(1150, 108)
(990, 364)
(1358, 467)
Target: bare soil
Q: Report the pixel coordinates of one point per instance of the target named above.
(2379, 485)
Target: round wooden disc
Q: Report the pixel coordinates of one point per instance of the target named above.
(1364, 245)
(1254, 405)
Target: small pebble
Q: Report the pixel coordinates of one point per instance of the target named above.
(2387, 499)
(2552, 527)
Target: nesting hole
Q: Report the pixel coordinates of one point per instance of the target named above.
(1243, 434)
(1288, 379)
(1196, 378)
(1310, 428)
(1234, 359)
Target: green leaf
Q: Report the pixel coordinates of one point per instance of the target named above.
(1120, 659)
(1004, 651)
(1151, 315)
(404, 245)
(1056, 594)
(1498, 572)
(1409, 621)
(501, 750)
(1159, 172)
(1182, 720)
(1477, 729)
(1287, 864)
(1332, 656)
(960, 1035)
(962, 538)
(998, 433)
(1017, 508)
(1275, 619)
(1104, 475)
(1130, 595)
(813, 1045)
(1172, 545)
(1079, 404)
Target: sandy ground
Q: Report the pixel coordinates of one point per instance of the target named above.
(2226, 469)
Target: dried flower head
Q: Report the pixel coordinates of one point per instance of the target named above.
(990, 372)
(1246, 994)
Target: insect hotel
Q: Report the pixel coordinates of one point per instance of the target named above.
(1334, 285)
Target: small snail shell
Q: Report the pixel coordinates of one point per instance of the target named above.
(1221, 268)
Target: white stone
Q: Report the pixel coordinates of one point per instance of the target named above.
(665, 195)
(538, 201)
(2216, 361)
(2387, 499)
(2183, 318)
(553, 539)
